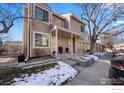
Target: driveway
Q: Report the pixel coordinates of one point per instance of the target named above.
(96, 74)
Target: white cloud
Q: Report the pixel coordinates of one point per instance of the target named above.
(118, 22)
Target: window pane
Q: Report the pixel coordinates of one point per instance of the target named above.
(38, 13)
(44, 41)
(45, 16)
(82, 28)
(38, 39)
(41, 40)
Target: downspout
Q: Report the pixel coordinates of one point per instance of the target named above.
(28, 50)
(50, 21)
(29, 38)
(30, 30)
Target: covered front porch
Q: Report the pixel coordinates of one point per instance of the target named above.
(64, 41)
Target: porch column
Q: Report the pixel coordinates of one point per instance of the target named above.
(56, 32)
(81, 46)
(71, 43)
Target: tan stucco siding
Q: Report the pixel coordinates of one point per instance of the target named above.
(75, 25)
(53, 44)
(57, 21)
(85, 46)
(77, 45)
(64, 42)
(36, 52)
(38, 26)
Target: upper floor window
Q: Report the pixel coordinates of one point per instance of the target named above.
(82, 28)
(41, 14)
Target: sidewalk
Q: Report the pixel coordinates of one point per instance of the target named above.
(92, 75)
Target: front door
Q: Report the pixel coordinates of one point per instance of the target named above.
(73, 44)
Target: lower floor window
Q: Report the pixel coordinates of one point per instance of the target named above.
(41, 40)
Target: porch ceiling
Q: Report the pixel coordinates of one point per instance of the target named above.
(65, 32)
(62, 33)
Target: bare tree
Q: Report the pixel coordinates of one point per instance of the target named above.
(9, 13)
(101, 17)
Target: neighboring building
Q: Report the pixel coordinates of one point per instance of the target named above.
(107, 41)
(13, 48)
(112, 41)
(98, 47)
(119, 45)
(46, 32)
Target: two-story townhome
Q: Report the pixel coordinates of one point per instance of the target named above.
(46, 32)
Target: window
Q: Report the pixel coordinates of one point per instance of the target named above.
(45, 16)
(41, 40)
(82, 28)
(41, 14)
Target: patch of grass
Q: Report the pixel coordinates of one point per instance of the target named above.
(9, 73)
(40, 58)
(9, 62)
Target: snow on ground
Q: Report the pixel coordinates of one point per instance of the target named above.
(95, 56)
(92, 56)
(53, 76)
(99, 53)
(87, 58)
(120, 54)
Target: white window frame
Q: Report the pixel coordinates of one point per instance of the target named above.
(42, 34)
(45, 10)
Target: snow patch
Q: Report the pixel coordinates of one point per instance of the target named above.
(120, 54)
(53, 76)
(99, 53)
(92, 57)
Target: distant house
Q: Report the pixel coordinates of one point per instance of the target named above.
(107, 39)
(113, 41)
(13, 47)
(47, 33)
(119, 45)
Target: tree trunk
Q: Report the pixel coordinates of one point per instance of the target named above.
(113, 52)
(92, 45)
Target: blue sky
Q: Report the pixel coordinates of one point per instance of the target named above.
(61, 8)
(17, 30)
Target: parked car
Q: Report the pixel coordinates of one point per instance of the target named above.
(116, 71)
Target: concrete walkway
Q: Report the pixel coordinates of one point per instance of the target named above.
(93, 75)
